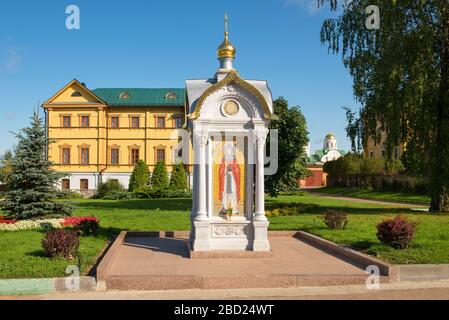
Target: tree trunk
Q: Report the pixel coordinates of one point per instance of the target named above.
(440, 147)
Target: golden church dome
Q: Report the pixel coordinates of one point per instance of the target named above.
(330, 136)
(226, 48)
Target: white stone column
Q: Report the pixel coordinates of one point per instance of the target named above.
(201, 214)
(260, 182)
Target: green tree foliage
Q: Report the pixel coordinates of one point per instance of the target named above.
(292, 157)
(32, 181)
(140, 177)
(159, 178)
(178, 179)
(401, 77)
(355, 164)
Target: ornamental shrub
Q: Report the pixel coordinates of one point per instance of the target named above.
(140, 176)
(107, 187)
(61, 244)
(88, 226)
(397, 232)
(159, 178)
(178, 179)
(335, 219)
(117, 195)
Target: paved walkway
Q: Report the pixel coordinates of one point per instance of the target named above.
(407, 290)
(381, 202)
(162, 263)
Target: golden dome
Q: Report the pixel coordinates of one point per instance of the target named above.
(330, 136)
(226, 48)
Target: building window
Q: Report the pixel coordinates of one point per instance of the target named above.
(115, 156)
(66, 122)
(84, 184)
(85, 121)
(65, 184)
(160, 122)
(371, 154)
(114, 122)
(134, 156)
(76, 94)
(170, 95)
(65, 156)
(84, 156)
(124, 95)
(135, 122)
(178, 122)
(383, 153)
(160, 155)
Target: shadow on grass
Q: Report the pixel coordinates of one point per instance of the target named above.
(147, 204)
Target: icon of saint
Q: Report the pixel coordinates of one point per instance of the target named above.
(229, 180)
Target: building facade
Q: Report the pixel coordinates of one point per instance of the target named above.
(377, 149)
(98, 135)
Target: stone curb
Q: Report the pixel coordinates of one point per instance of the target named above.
(357, 258)
(15, 287)
(423, 272)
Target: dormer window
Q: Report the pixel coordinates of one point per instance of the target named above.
(170, 95)
(76, 94)
(124, 96)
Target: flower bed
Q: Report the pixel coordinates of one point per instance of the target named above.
(11, 225)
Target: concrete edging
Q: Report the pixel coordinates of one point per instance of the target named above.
(352, 256)
(423, 272)
(15, 287)
(106, 263)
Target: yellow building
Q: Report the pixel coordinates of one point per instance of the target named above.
(100, 134)
(374, 149)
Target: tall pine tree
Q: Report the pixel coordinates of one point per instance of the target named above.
(32, 180)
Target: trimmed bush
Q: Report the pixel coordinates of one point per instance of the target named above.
(61, 244)
(108, 187)
(117, 195)
(397, 232)
(178, 179)
(88, 226)
(140, 176)
(334, 219)
(159, 178)
(289, 209)
(161, 194)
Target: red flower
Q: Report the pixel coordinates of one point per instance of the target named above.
(75, 221)
(6, 220)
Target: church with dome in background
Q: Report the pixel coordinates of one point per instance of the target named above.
(315, 161)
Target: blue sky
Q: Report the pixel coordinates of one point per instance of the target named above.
(155, 43)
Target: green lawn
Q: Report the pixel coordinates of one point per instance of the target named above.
(21, 255)
(375, 195)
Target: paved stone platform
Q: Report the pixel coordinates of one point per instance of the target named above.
(155, 263)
